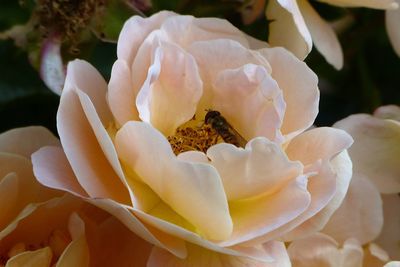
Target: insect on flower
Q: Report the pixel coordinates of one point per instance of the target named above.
(223, 128)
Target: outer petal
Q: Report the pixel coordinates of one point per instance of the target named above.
(321, 143)
(300, 90)
(179, 183)
(169, 96)
(260, 168)
(258, 217)
(198, 256)
(38, 258)
(376, 150)
(121, 96)
(388, 112)
(25, 141)
(287, 19)
(252, 90)
(80, 121)
(392, 18)
(324, 38)
(134, 31)
(322, 250)
(378, 4)
(360, 216)
(389, 238)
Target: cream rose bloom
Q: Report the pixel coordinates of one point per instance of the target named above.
(140, 149)
(303, 26)
(365, 229)
(45, 227)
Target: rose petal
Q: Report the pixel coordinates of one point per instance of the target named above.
(251, 89)
(173, 80)
(135, 30)
(38, 258)
(299, 87)
(322, 250)
(198, 256)
(81, 75)
(360, 216)
(388, 112)
(25, 141)
(392, 264)
(374, 256)
(127, 248)
(286, 18)
(323, 35)
(260, 168)
(177, 182)
(52, 169)
(320, 190)
(121, 96)
(259, 217)
(392, 18)
(389, 238)
(378, 4)
(376, 149)
(216, 55)
(321, 143)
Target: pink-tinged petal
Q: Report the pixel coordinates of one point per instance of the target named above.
(152, 235)
(252, 90)
(376, 150)
(19, 187)
(360, 216)
(322, 250)
(81, 75)
(52, 70)
(378, 4)
(121, 96)
(201, 257)
(135, 30)
(91, 167)
(25, 141)
(321, 143)
(261, 168)
(37, 258)
(323, 35)
(216, 55)
(330, 185)
(392, 18)
(389, 238)
(52, 169)
(169, 96)
(299, 87)
(185, 30)
(193, 190)
(391, 112)
(261, 216)
(123, 247)
(287, 18)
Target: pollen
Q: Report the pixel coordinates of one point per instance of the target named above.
(193, 139)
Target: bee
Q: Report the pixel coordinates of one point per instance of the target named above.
(223, 128)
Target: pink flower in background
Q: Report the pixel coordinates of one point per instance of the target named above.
(140, 147)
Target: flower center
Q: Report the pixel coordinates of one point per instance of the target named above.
(57, 241)
(194, 138)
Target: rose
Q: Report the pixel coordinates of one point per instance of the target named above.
(171, 70)
(304, 26)
(369, 215)
(41, 226)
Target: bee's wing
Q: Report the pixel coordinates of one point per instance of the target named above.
(242, 142)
